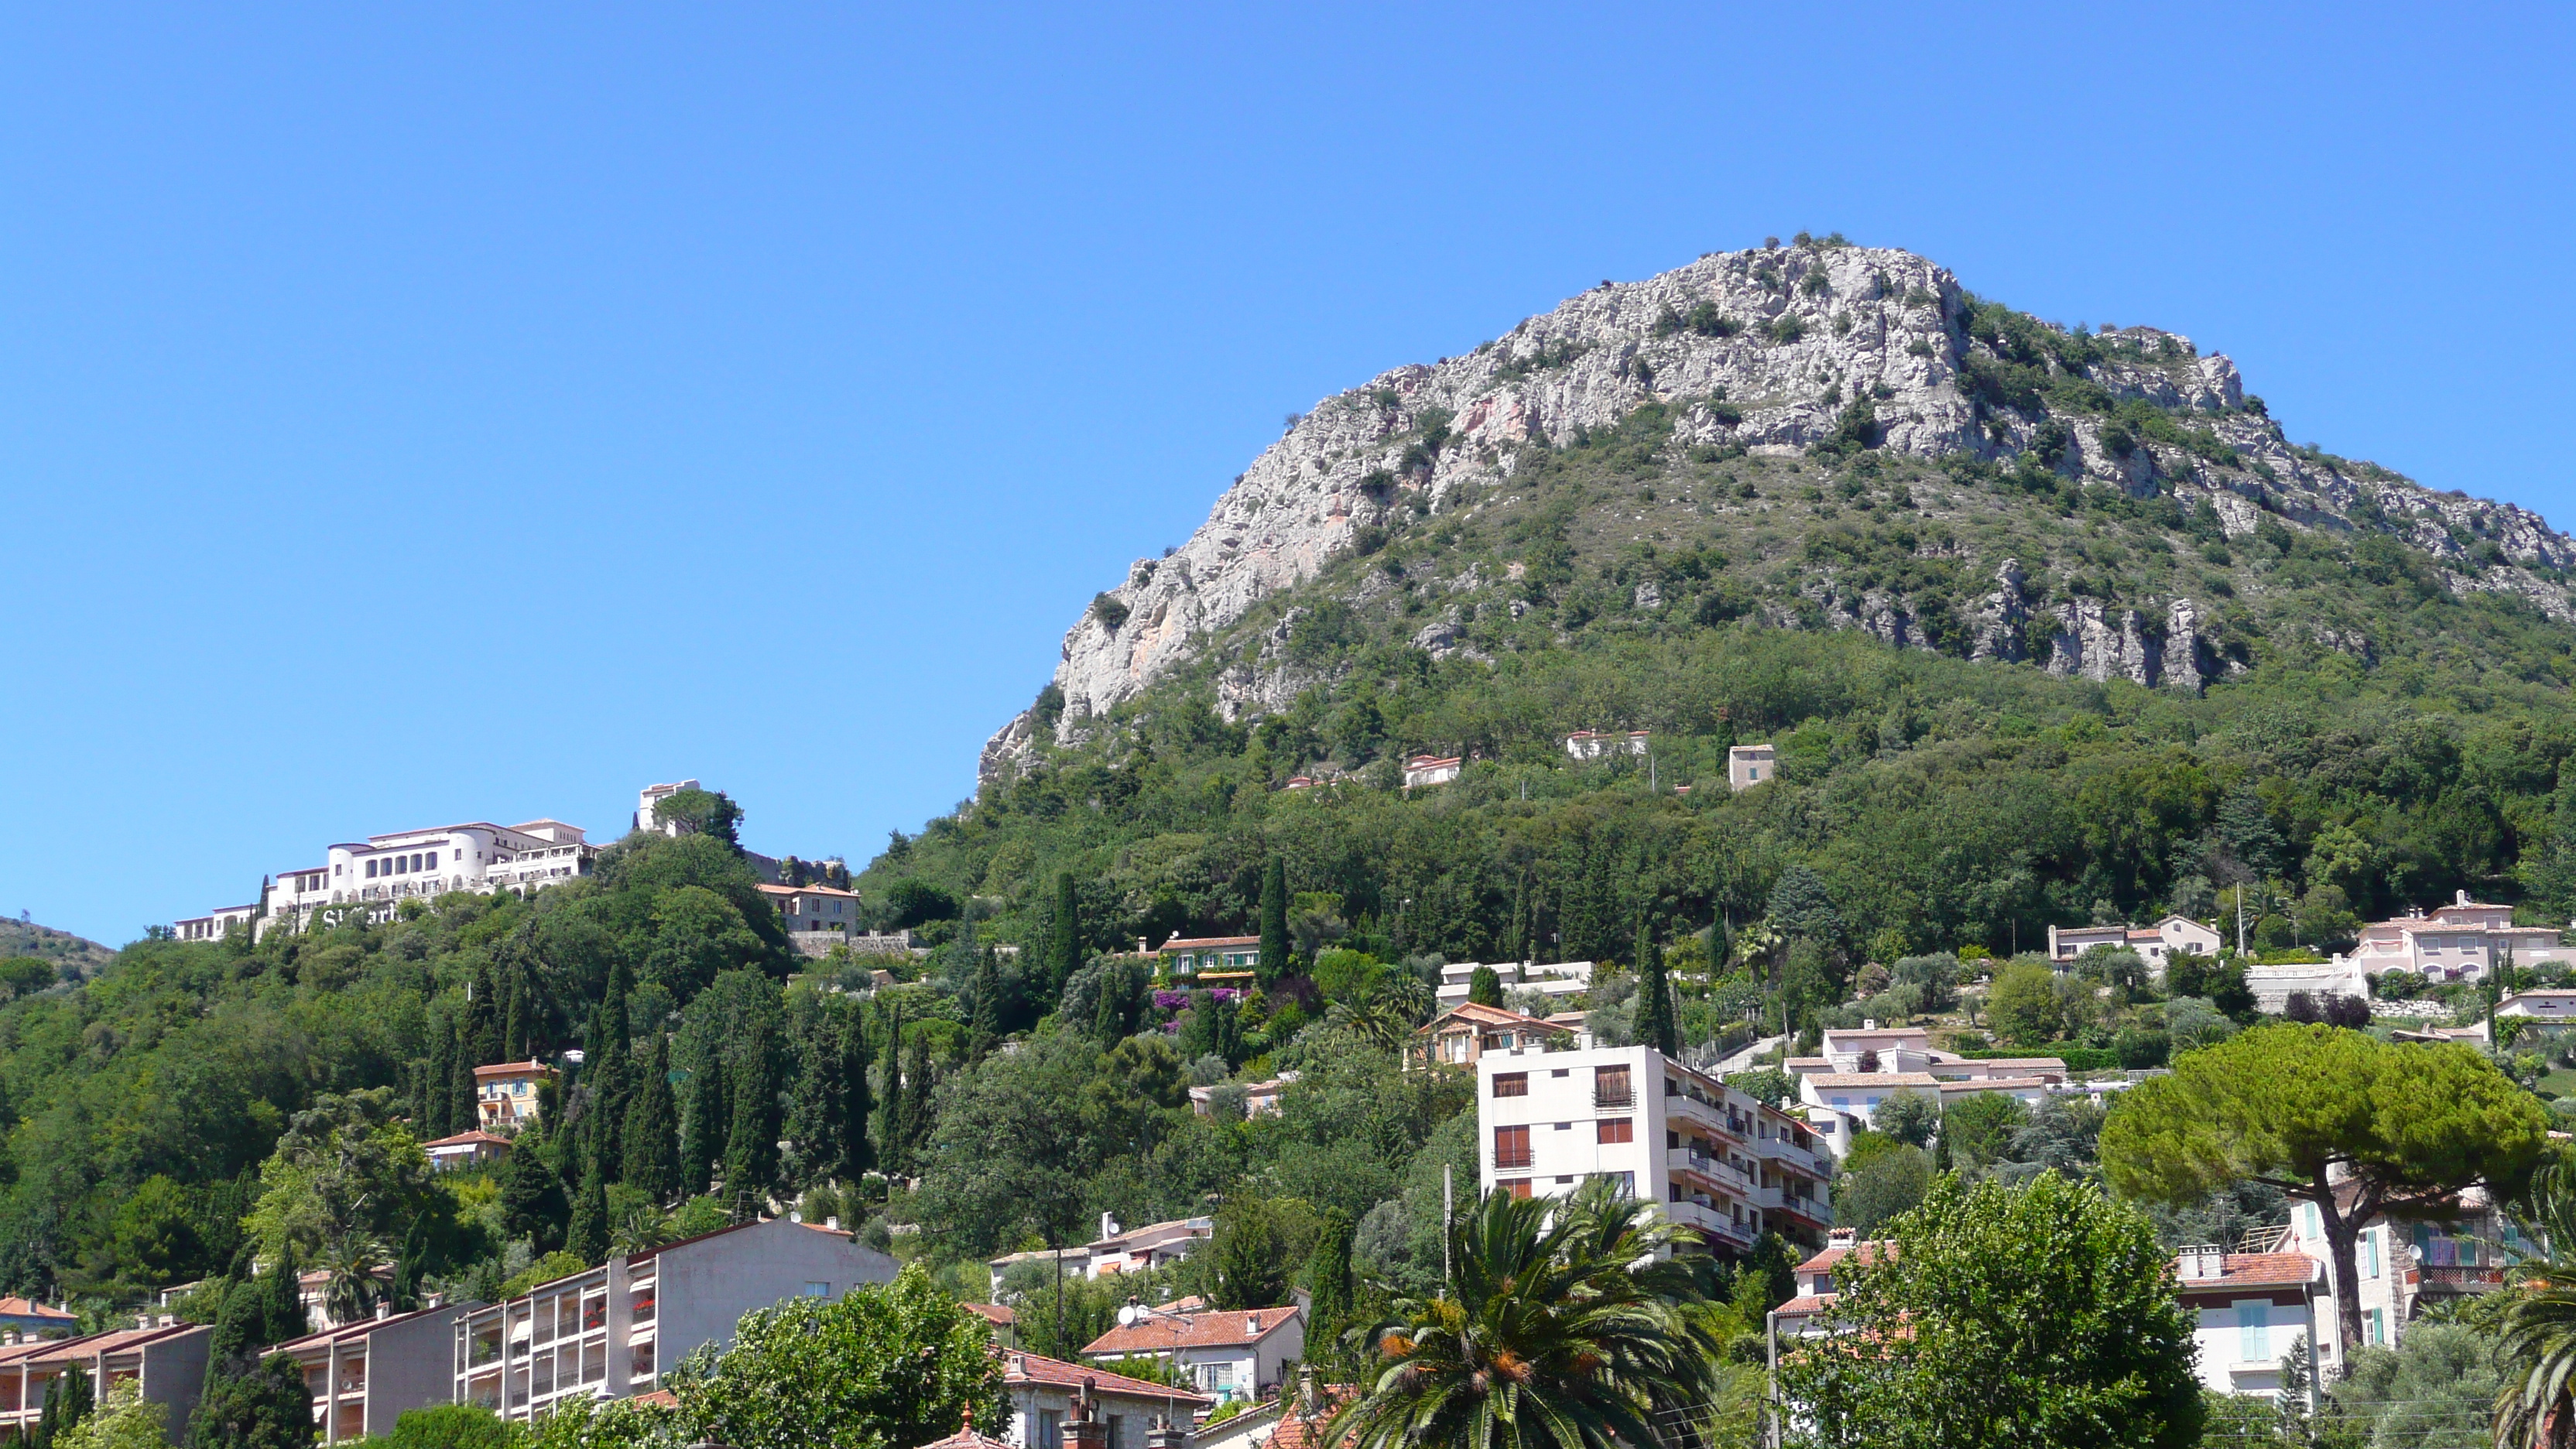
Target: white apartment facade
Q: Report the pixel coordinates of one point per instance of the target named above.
(1559, 981)
(612, 1332)
(1593, 744)
(382, 871)
(1712, 1158)
(1432, 770)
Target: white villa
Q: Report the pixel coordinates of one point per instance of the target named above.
(2172, 936)
(2457, 942)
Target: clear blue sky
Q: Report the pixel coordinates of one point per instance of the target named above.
(418, 414)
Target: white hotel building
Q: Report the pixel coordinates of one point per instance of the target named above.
(382, 870)
(1713, 1158)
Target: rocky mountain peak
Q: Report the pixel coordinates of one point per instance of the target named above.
(1780, 350)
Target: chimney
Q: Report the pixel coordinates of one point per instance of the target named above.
(384, 1309)
(1309, 1398)
(2201, 1263)
(1087, 1430)
(1869, 1023)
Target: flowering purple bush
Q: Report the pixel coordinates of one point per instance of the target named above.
(1170, 1000)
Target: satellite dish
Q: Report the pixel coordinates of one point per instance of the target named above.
(1127, 1316)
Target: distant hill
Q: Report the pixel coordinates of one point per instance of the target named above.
(70, 954)
(2046, 622)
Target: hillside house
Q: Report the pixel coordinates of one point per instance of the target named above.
(1188, 958)
(2250, 1309)
(27, 1318)
(1593, 744)
(1432, 770)
(1559, 981)
(1460, 1035)
(815, 917)
(1226, 1354)
(1750, 765)
(2156, 944)
(466, 1149)
(1042, 1392)
(507, 1094)
(2458, 942)
(1117, 1250)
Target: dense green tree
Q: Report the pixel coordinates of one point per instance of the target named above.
(1064, 935)
(2539, 1328)
(702, 1140)
(586, 1237)
(514, 1030)
(2005, 1316)
(451, 1426)
(751, 1145)
(891, 1129)
(265, 1407)
(69, 1399)
(1331, 1289)
(652, 1146)
(1247, 1268)
(1802, 908)
(857, 1102)
(920, 1088)
(2355, 1127)
(986, 1032)
(1274, 921)
(1655, 1024)
(282, 1312)
(1869, 1194)
(1908, 1116)
(1485, 987)
(886, 1364)
(1977, 1130)
(1007, 1158)
(701, 812)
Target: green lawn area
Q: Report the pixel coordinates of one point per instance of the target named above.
(2560, 1083)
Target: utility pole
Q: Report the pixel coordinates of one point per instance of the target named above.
(1448, 1217)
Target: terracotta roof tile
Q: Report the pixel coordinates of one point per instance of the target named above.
(1037, 1368)
(1193, 1330)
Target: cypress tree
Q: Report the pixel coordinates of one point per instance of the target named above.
(533, 1204)
(282, 1304)
(751, 1148)
(702, 1135)
(1065, 935)
(483, 1018)
(1655, 1025)
(917, 1084)
(438, 1076)
(1516, 935)
(653, 1130)
(263, 1406)
(514, 1035)
(987, 1027)
(889, 1152)
(858, 1104)
(1274, 921)
(587, 1238)
(238, 1326)
(462, 1114)
(1328, 1280)
(1485, 987)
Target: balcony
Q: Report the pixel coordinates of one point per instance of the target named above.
(1715, 1169)
(2458, 1279)
(1708, 1220)
(1708, 1114)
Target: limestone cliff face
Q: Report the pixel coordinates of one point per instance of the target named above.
(1767, 349)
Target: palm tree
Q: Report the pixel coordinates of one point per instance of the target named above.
(1568, 1324)
(351, 1290)
(2535, 1410)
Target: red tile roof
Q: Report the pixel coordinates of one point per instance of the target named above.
(1301, 1430)
(993, 1313)
(1194, 943)
(1831, 1258)
(1193, 1330)
(1037, 1368)
(2256, 1270)
(514, 1069)
(1487, 1016)
(462, 1138)
(14, 1307)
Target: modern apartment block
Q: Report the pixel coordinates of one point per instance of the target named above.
(614, 1330)
(1711, 1157)
(167, 1358)
(364, 1375)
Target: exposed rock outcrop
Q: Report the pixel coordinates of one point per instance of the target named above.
(1760, 349)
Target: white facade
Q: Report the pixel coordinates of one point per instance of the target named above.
(383, 870)
(652, 795)
(1750, 765)
(216, 924)
(1559, 981)
(2273, 985)
(1593, 744)
(2402, 1266)
(1431, 770)
(2250, 1310)
(2156, 944)
(2545, 1005)
(1711, 1157)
